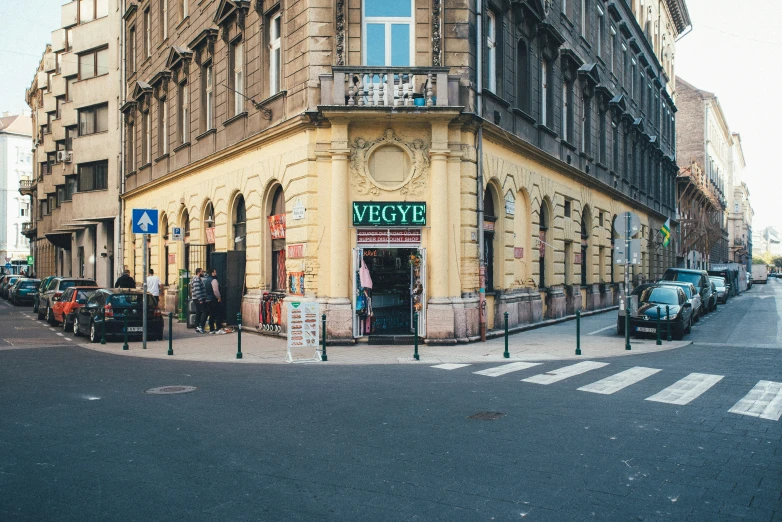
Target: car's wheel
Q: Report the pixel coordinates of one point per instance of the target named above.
(696, 316)
(49, 316)
(76, 332)
(688, 330)
(94, 337)
(65, 324)
(41, 314)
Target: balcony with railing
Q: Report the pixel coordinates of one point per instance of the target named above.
(26, 186)
(28, 229)
(422, 88)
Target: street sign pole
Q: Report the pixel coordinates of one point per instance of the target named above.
(628, 235)
(144, 290)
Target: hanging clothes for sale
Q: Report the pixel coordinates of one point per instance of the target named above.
(364, 276)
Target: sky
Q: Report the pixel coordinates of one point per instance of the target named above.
(732, 51)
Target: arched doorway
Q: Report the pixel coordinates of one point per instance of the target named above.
(185, 225)
(277, 230)
(585, 228)
(544, 225)
(208, 235)
(489, 222)
(239, 224)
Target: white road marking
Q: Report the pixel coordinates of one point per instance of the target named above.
(450, 366)
(52, 329)
(764, 401)
(602, 330)
(563, 373)
(68, 339)
(61, 334)
(619, 381)
(686, 390)
(506, 368)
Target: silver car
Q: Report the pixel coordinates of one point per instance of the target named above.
(693, 297)
(722, 289)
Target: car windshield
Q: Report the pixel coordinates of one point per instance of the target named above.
(660, 295)
(130, 300)
(83, 295)
(718, 283)
(81, 282)
(28, 284)
(688, 278)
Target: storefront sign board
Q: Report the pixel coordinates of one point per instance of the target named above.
(303, 330)
(510, 204)
(177, 234)
(389, 214)
(390, 237)
(30, 261)
(298, 210)
(296, 251)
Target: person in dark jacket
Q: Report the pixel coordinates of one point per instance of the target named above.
(198, 295)
(125, 281)
(213, 299)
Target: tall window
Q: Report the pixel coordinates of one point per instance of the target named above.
(163, 19)
(240, 225)
(93, 176)
(208, 97)
(237, 78)
(184, 114)
(68, 39)
(546, 96)
(523, 72)
(90, 10)
(615, 145)
(564, 7)
(275, 54)
(93, 119)
(584, 18)
(388, 32)
(586, 126)
(542, 240)
(600, 19)
(70, 187)
(565, 106)
(184, 9)
(491, 50)
(603, 138)
(146, 138)
(130, 148)
(147, 34)
(162, 126)
(131, 50)
(93, 63)
(632, 78)
(69, 88)
(612, 51)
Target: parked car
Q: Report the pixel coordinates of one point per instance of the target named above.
(620, 320)
(6, 284)
(24, 291)
(658, 297)
(39, 294)
(56, 287)
(760, 274)
(722, 289)
(699, 278)
(714, 299)
(749, 280)
(109, 306)
(64, 308)
(693, 297)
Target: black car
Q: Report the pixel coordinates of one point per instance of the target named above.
(24, 291)
(109, 307)
(620, 320)
(667, 299)
(6, 283)
(699, 278)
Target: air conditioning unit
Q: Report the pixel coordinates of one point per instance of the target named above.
(61, 154)
(68, 156)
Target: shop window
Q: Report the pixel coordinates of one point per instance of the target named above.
(544, 225)
(489, 221)
(240, 224)
(277, 230)
(388, 32)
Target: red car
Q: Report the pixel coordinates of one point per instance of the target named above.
(64, 308)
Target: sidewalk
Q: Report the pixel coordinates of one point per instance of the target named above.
(534, 345)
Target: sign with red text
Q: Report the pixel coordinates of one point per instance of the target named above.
(391, 237)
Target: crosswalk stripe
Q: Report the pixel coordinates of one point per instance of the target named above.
(506, 368)
(450, 366)
(687, 389)
(563, 373)
(763, 401)
(619, 381)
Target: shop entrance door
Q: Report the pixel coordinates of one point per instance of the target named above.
(398, 290)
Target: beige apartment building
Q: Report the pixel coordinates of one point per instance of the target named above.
(76, 184)
(453, 153)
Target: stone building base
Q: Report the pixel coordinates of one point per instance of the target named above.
(556, 302)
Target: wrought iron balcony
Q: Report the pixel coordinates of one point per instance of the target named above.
(421, 87)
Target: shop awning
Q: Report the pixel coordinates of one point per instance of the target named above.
(60, 239)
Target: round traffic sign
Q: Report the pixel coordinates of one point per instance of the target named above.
(621, 222)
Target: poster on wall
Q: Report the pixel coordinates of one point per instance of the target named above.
(277, 226)
(303, 331)
(296, 283)
(210, 236)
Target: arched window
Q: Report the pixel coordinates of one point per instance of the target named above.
(185, 225)
(240, 224)
(544, 224)
(209, 235)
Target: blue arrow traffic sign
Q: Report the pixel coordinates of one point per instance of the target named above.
(145, 221)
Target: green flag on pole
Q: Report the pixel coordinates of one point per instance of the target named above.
(666, 232)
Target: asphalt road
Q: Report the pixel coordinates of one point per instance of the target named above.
(81, 440)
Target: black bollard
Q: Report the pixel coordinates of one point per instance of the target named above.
(239, 336)
(323, 356)
(506, 354)
(415, 336)
(125, 329)
(668, 321)
(578, 332)
(170, 334)
(659, 341)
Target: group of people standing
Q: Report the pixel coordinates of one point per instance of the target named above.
(153, 283)
(205, 292)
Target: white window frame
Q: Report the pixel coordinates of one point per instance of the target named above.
(491, 46)
(185, 9)
(564, 7)
(238, 76)
(633, 70)
(584, 15)
(600, 20)
(275, 55)
(209, 96)
(388, 21)
(184, 101)
(148, 32)
(564, 111)
(164, 125)
(148, 125)
(164, 22)
(544, 93)
(613, 49)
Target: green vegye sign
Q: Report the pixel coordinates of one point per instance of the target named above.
(389, 214)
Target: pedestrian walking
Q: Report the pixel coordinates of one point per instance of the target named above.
(125, 281)
(153, 286)
(198, 295)
(213, 300)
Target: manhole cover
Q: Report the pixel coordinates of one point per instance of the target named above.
(170, 390)
(486, 415)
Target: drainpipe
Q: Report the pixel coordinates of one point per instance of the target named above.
(119, 223)
(479, 161)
